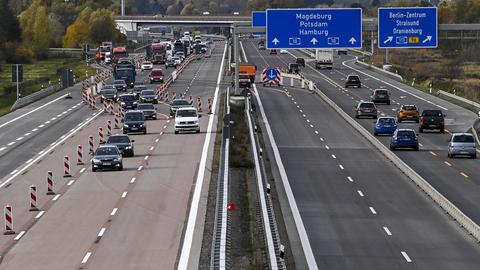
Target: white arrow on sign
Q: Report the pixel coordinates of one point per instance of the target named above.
(275, 41)
(429, 38)
(352, 40)
(389, 39)
(314, 41)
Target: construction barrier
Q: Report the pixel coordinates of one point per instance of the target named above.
(109, 128)
(79, 155)
(66, 166)
(100, 136)
(50, 183)
(8, 211)
(33, 198)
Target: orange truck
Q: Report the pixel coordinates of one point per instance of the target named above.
(248, 69)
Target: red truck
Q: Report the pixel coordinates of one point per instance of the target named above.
(119, 52)
(158, 53)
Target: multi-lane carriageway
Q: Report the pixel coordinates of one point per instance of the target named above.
(150, 215)
(345, 206)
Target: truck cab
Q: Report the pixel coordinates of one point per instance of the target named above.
(324, 58)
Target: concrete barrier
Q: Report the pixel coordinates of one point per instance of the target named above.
(471, 105)
(23, 101)
(435, 195)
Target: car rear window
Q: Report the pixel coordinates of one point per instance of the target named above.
(118, 139)
(243, 77)
(119, 82)
(157, 73)
(187, 113)
(463, 139)
(145, 107)
(367, 105)
(148, 92)
(432, 113)
(381, 92)
(409, 108)
(134, 116)
(127, 98)
(106, 151)
(353, 78)
(386, 121)
(406, 133)
(180, 102)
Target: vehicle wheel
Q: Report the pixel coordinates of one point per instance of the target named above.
(120, 168)
(356, 116)
(375, 133)
(359, 86)
(176, 131)
(392, 147)
(399, 120)
(93, 169)
(474, 156)
(125, 132)
(416, 148)
(442, 130)
(197, 131)
(448, 155)
(145, 132)
(417, 120)
(388, 103)
(420, 129)
(451, 156)
(346, 86)
(375, 117)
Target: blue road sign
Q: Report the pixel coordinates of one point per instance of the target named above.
(259, 19)
(271, 73)
(411, 27)
(314, 28)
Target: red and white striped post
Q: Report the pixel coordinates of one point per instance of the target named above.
(199, 104)
(117, 121)
(93, 101)
(90, 144)
(109, 128)
(100, 135)
(79, 155)
(110, 107)
(181, 94)
(8, 211)
(190, 99)
(105, 108)
(174, 96)
(209, 105)
(50, 184)
(66, 167)
(33, 198)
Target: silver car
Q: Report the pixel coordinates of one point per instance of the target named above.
(462, 144)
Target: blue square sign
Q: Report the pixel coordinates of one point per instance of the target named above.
(259, 18)
(411, 27)
(314, 28)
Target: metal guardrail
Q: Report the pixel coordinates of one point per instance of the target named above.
(435, 195)
(472, 105)
(385, 72)
(23, 101)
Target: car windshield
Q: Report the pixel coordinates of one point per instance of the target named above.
(367, 105)
(381, 92)
(104, 151)
(139, 88)
(134, 117)
(180, 102)
(186, 113)
(109, 86)
(119, 82)
(388, 121)
(406, 133)
(108, 92)
(463, 139)
(118, 139)
(127, 98)
(157, 73)
(146, 107)
(243, 77)
(175, 58)
(409, 108)
(147, 63)
(148, 92)
(293, 65)
(300, 60)
(432, 113)
(353, 78)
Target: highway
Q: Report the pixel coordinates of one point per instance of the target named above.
(133, 219)
(356, 209)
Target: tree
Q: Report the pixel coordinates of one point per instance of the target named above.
(102, 26)
(9, 25)
(376, 3)
(213, 7)
(188, 9)
(77, 34)
(36, 28)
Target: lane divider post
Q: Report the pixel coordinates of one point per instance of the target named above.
(33, 198)
(50, 183)
(8, 213)
(79, 155)
(66, 167)
(90, 144)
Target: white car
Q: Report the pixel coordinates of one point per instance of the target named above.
(147, 65)
(177, 60)
(283, 52)
(108, 60)
(186, 120)
(206, 13)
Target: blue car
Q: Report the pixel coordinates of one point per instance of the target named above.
(385, 125)
(404, 138)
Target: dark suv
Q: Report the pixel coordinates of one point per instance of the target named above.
(134, 121)
(293, 68)
(300, 61)
(107, 156)
(353, 80)
(381, 96)
(365, 108)
(123, 143)
(432, 119)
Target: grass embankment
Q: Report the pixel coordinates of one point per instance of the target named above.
(35, 76)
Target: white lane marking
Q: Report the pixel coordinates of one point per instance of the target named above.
(44, 152)
(168, 121)
(145, 158)
(19, 138)
(82, 170)
(102, 231)
(133, 180)
(124, 194)
(3, 148)
(40, 214)
(373, 210)
(161, 133)
(333, 156)
(19, 236)
(341, 167)
(70, 182)
(56, 197)
(53, 118)
(52, 144)
(14, 172)
(164, 127)
(360, 193)
(316, 132)
(87, 256)
(308, 121)
(304, 116)
(41, 126)
(114, 211)
(47, 122)
(11, 143)
(327, 147)
(298, 106)
(387, 231)
(305, 242)
(311, 125)
(301, 111)
(350, 178)
(140, 168)
(34, 130)
(30, 160)
(151, 148)
(32, 111)
(321, 139)
(27, 134)
(156, 140)
(192, 215)
(405, 255)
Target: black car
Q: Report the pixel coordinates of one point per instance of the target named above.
(300, 61)
(293, 68)
(107, 156)
(432, 119)
(148, 96)
(381, 96)
(353, 80)
(128, 101)
(123, 143)
(134, 121)
(137, 90)
(178, 103)
(108, 95)
(244, 81)
(149, 111)
(120, 85)
(340, 52)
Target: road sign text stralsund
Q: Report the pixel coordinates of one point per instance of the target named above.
(314, 28)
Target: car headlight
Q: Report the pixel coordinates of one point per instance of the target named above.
(128, 147)
(142, 125)
(123, 103)
(156, 97)
(134, 103)
(96, 160)
(117, 159)
(125, 126)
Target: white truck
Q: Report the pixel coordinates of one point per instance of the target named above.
(323, 58)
